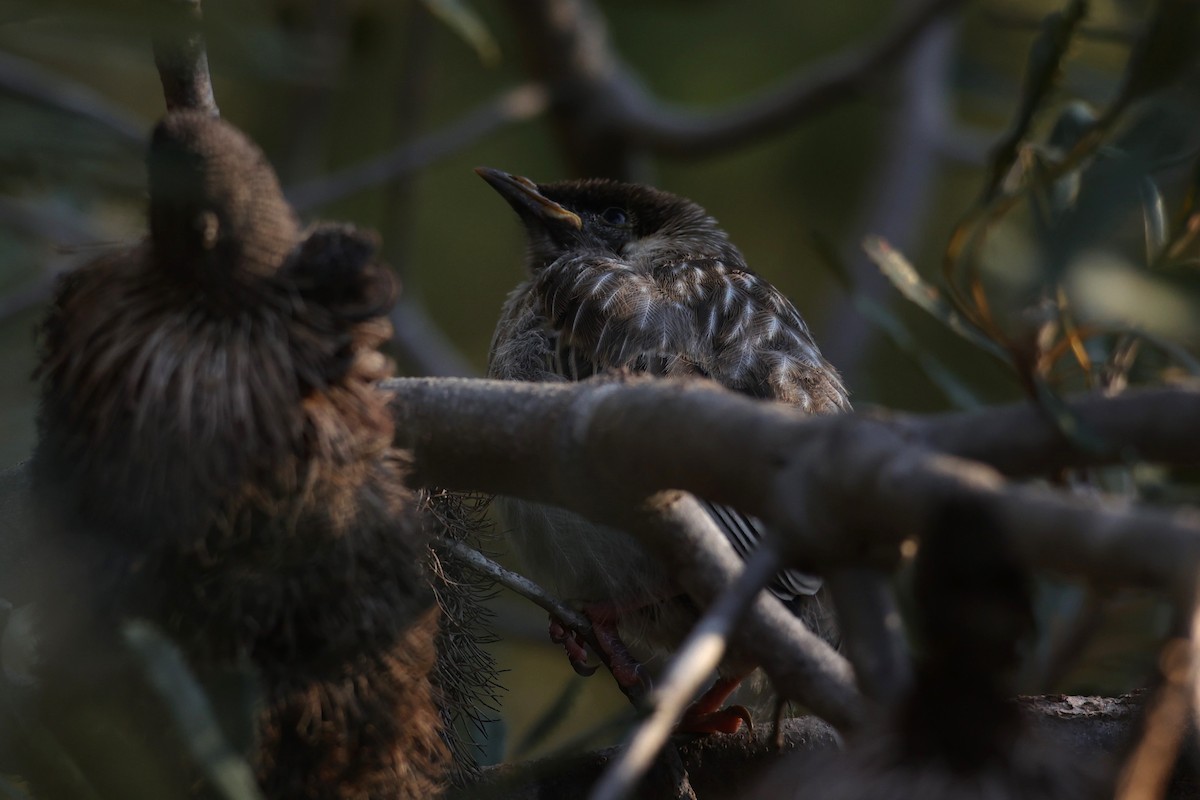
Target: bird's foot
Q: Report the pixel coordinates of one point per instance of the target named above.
(573, 642)
(630, 675)
(706, 716)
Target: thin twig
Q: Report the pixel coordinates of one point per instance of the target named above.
(515, 105)
(181, 59)
(895, 205)
(518, 584)
(689, 668)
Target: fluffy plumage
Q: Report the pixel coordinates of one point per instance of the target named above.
(215, 456)
(629, 278)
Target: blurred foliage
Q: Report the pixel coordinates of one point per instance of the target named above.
(1067, 251)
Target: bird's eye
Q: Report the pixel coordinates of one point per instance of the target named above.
(615, 217)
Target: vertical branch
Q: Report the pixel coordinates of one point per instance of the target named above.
(566, 47)
(872, 632)
(181, 59)
(897, 200)
(421, 346)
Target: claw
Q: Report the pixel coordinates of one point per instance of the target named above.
(573, 643)
(726, 720)
(705, 716)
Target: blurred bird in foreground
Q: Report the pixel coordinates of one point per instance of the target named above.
(215, 456)
(626, 278)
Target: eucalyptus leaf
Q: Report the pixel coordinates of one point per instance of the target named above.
(1154, 220)
(550, 719)
(186, 701)
(955, 389)
(904, 277)
(1041, 74)
(468, 25)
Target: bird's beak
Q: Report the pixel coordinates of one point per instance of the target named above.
(525, 198)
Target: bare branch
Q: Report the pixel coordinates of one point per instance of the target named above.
(1157, 425)
(604, 118)
(181, 59)
(872, 632)
(821, 87)
(517, 583)
(690, 666)
(895, 203)
(598, 446)
(26, 79)
(515, 105)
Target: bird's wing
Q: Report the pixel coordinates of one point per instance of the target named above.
(744, 533)
(695, 317)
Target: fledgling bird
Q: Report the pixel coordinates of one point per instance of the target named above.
(627, 278)
(215, 456)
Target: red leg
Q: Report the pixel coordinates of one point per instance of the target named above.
(573, 643)
(626, 669)
(628, 672)
(706, 715)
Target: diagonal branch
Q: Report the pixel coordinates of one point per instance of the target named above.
(515, 105)
(25, 79)
(835, 80)
(605, 119)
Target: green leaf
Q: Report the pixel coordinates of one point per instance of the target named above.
(955, 390)
(462, 19)
(892, 327)
(1172, 350)
(168, 673)
(1154, 220)
(904, 277)
(551, 718)
(1041, 73)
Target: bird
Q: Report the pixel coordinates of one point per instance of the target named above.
(626, 278)
(215, 456)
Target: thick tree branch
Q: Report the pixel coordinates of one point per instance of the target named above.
(841, 489)
(820, 87)
(1157, 425)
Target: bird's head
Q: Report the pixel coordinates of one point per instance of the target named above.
(634, 223)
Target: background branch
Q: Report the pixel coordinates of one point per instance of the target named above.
(606, 121)
(515, 105)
